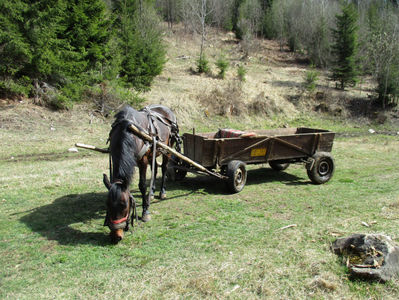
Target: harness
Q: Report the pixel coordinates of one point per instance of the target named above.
(153, 130)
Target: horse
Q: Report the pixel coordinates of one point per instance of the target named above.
(127, 151)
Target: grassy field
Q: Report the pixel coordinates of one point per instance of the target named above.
(202, 242)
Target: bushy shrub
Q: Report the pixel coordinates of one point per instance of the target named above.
(225, 101)
(241, 72)
(202, 64)
(388, 87)
(311, 77)
(109, 96)
(10, 88)
(223, 64)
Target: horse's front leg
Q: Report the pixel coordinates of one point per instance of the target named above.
(143, 189)
(162, 193)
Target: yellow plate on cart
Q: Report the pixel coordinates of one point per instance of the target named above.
(258, 152)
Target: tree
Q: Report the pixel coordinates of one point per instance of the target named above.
(52, 41)
(345, 46)
(143, 54)
(197, 13)
(383, 51)
(15, 51)
(249, 22)
(169, 10)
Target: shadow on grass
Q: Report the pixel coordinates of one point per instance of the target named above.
(267, 175)
(56, 221)
(211, 185)
(76, 218)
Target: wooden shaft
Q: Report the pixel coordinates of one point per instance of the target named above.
(173, 151)
(90, 147)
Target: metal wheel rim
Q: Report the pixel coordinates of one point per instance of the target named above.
(324, 168)
(239, 177)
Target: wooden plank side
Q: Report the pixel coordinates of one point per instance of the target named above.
(302, 146)
(188, 145)
(246, 149)
(326, 142)
(198, 148)
(208, 157)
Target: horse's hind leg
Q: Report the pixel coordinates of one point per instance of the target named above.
(143, 189)
(162, 194)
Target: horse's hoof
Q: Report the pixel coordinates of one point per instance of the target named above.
(146, 217)
(162, 196)
(150, 197)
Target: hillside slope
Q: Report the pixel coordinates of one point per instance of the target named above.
(274, 92)
(275, 82)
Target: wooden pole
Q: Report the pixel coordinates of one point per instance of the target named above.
(174, 152)
(90, 147)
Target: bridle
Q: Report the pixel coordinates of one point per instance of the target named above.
(129, 218)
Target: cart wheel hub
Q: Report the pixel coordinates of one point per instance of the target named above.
(324, 168)
(239, 176)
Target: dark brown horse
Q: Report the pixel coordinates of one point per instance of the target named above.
(128, 151)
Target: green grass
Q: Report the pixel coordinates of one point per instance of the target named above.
(202, 242)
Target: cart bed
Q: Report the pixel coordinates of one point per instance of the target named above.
(257, 146)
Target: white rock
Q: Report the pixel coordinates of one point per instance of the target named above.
(73, 149)
(371, 130)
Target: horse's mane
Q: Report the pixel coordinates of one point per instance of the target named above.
(123, 146)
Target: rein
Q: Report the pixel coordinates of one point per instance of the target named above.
(154, 157)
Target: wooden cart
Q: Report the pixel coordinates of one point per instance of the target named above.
(227, 152)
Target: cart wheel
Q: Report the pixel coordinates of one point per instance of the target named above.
(173, 173)
(322, 169)
(237, 176)
(278, 166)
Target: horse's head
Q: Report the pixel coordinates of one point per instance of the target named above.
(119, 205)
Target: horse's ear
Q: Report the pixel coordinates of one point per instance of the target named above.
(106, 182)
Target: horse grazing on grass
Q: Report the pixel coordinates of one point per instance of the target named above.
(128, 151)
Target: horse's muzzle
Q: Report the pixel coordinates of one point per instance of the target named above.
(116, 235)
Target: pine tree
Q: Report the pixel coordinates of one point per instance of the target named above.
(52, 41)
(345, 47)
(15, 51)
(235, 18)
(140, 43)
(87, 30)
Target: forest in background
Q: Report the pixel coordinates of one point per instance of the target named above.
(59, 52)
